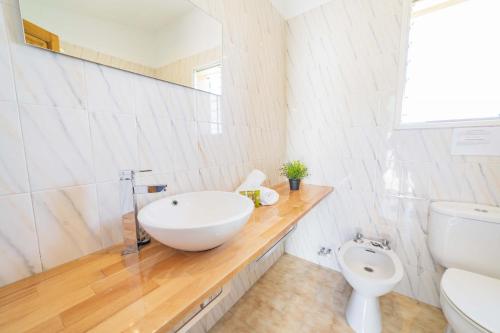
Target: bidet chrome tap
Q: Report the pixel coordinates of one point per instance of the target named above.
(358, 238)
(383, 243)
(380, 243)
(134, 235)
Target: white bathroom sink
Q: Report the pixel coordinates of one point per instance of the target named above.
(196, 221)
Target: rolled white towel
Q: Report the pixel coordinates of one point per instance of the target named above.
(268, 196)
(253, 181)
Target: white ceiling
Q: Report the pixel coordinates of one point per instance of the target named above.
(292, 8)
(145, 14)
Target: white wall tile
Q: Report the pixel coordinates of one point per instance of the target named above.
(109, 89)
(180, 101)
(108, 201)
(416, 179)
(411, 238)
(491, 172)
(58, 146)
(410, 146)
(480, 184)
(438, 142)
(213, 143)
(208, 107)
(155, 144)
(215, 178)
(447, 179)
(6, 77)
(18, 239)
(114, 144)
(184, 143)
(67, 223)
(188, 181)
(150, 95)
(33, 66)
(420, 284)
(13, 172)
(163, 99)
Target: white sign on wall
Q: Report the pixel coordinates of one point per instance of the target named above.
(476, 141)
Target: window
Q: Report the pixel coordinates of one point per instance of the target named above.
(451, 77)
(208, 78)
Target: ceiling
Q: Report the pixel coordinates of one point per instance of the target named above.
(292, 8)
(145, 14)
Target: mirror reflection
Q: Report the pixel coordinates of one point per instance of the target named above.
(171, 40)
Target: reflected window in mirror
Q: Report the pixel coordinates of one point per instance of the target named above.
(451, 76)
(208, 78)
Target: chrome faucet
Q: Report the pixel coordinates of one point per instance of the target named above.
(358, 238)
(382, 243)
(134, 235)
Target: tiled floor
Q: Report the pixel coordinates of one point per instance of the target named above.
(299, 296)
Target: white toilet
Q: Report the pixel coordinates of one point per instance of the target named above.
(465, 238)
(372, 269)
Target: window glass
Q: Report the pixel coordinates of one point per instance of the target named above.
(453, 62)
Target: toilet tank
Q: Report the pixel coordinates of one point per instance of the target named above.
(465, 236)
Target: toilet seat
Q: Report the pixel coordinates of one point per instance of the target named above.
(457, 319)
(471, 300)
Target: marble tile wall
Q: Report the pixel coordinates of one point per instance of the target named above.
(68, 126)
(342, 63)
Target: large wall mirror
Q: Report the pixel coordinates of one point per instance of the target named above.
(170, 40)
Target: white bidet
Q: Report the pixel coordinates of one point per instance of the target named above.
(372, 269)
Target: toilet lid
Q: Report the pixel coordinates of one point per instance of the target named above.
(477, 296)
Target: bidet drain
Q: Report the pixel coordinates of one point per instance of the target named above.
(368, 269)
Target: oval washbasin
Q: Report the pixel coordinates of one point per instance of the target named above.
(196, 221)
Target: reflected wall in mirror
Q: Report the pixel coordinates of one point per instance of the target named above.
(171, 40)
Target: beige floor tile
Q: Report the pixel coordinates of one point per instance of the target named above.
(298, 296)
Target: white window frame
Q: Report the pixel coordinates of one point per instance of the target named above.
(403, 58)
(203, 67)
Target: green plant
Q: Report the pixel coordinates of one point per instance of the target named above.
(294, 170)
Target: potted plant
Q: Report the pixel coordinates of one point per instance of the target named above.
(294, 171)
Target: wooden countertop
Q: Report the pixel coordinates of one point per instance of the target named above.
(148, 292)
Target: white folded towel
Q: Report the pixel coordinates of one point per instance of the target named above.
(268, 196)
(253, 181)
